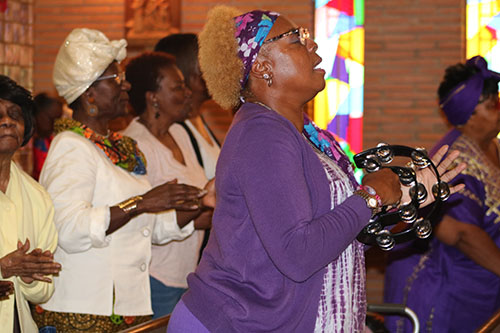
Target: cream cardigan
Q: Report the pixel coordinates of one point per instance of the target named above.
(25, 212)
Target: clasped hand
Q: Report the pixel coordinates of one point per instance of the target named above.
(171, 195)
(29, 266)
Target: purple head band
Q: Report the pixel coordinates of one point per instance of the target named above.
(460, 103)
(251, 31)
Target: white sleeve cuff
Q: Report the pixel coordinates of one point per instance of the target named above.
(166, 228)
(99, 222)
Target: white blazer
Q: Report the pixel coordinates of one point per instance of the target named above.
(83, 184)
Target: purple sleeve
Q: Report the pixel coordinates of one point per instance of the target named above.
(277, 195)
(467, 205)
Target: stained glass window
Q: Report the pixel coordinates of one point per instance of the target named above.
(483, 27)
(340, 35)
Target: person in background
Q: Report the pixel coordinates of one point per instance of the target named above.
(47, 110)
(106, 211)
(283, 254)
(161, 100)
(185, 49)
(454, 285)
(28, 236)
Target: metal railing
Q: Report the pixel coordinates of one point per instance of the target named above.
(398, 310)
(491, 324)
(155, 325)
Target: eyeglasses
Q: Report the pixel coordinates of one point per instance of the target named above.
(118, 78)
(302, 32)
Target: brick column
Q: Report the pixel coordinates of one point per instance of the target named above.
(54, 20)
(409, 43)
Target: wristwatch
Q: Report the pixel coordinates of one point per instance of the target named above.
(371, 202)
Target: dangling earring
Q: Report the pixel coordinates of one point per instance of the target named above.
(156, 106)
(268, 78)
(92, 110)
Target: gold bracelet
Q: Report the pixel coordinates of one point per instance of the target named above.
(130, 204)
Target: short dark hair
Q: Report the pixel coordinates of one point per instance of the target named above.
(184, 47)
(43, 101)
(143, 73)
(456, 74)
(12, 92)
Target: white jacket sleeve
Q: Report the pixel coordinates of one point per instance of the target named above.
(166, 228)
(69, 175)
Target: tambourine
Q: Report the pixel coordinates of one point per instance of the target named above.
(376, 232)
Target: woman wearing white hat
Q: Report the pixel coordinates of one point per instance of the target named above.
(97, 181)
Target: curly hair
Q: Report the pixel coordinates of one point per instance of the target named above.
(456, 74)
(184, 47)
(12, 92)
(220, 65)
(143, 74)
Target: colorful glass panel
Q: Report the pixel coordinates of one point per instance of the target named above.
(340, 35)
(483, 27)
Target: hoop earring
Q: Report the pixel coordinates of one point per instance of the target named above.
(92, 110)
(268, 78)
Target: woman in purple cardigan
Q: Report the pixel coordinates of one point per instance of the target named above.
(283, 255)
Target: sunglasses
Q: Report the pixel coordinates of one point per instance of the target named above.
(118, 78)
(302, 32)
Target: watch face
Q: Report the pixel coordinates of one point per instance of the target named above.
(372, 202)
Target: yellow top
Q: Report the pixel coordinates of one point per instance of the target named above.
(26, 211)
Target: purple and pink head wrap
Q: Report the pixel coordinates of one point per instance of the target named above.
(460, 103)
(251, 31)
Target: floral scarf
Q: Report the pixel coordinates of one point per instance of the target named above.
(121, 150)
(324, 141)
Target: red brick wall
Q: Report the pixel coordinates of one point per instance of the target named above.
(54, 19)
(16, 56)
(194, 11)
(409, 43)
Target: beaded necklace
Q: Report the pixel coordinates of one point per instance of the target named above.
(121, 150)
(325, 142)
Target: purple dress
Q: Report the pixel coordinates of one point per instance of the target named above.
(279, 258)
(447, 290)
